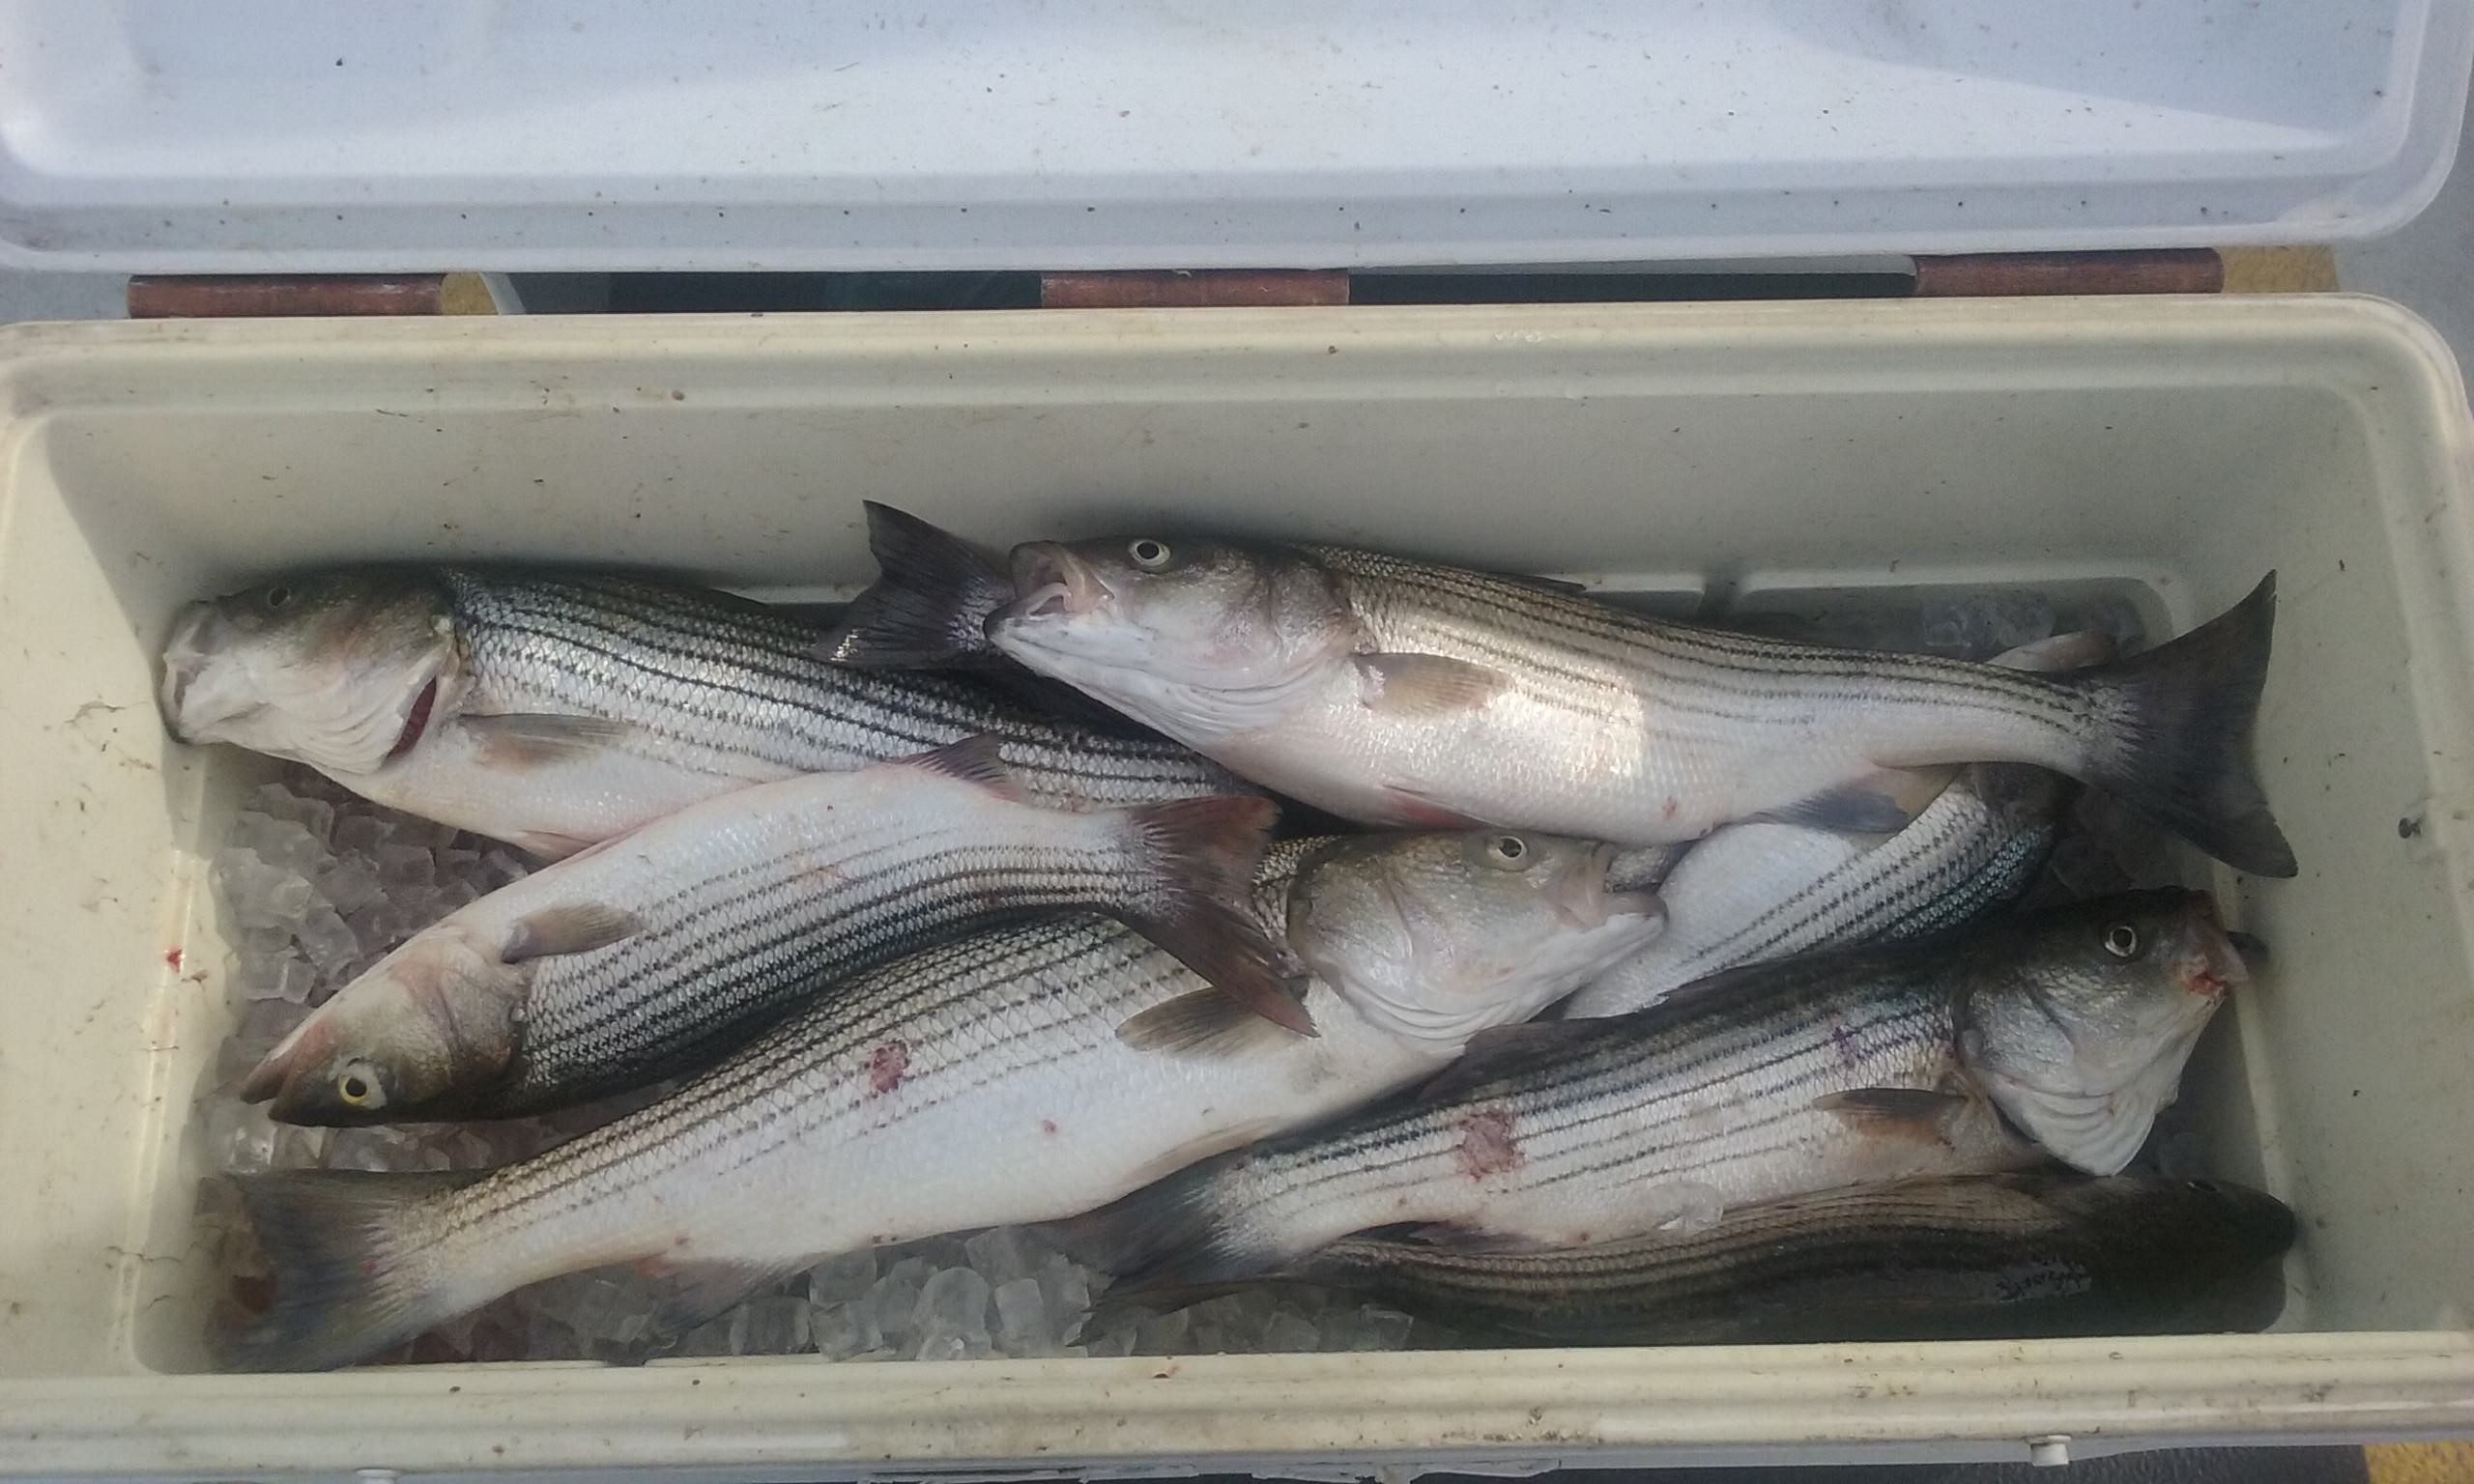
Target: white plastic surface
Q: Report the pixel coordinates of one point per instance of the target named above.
(280, 134)
(2177, 448)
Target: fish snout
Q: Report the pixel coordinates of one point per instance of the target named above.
(186, 656)
(1050, 581)
(309, 1044)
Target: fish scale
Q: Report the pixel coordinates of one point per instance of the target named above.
(701, 927)
(2060, 1035)
(1394, 692)
(730, 690)
(2004, 1255)
(993, 1078)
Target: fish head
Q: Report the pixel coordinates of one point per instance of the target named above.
(1436, 936)
(2078, 1021)
(1145, 622)
(413, 1039)
(340, 670)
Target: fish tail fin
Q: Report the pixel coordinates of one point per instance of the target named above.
(1170, 1235)
(346, 1249)
(928, 608)
(1202, 856)
(2172, 739)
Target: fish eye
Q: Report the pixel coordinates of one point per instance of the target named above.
(358, 1087)
(1149, 555)
(277, 597)
(1508, 852)
(2121, 940)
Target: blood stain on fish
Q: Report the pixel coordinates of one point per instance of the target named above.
(886, 1065)
(1048, 1126)
(1487, 1145)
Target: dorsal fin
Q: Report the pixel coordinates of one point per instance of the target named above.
(977, 759)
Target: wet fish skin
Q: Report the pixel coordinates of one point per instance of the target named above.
(1808, 1074)
(2029, 1255)
(985, 1080)
(554, 710)
(1752, 893)
(660, 951)
(1396, 692)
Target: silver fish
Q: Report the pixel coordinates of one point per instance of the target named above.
(1755, 892)
(984, 1081)
(1394, 692)
(1752, 893)
(659, 950)
(1832, 1069)
(555, 709)
(1999, 1256)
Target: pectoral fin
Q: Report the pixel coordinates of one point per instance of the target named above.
(577, 928)
(1207, 1024)
(1426, 685)
(1895, 1112)
(522, 741)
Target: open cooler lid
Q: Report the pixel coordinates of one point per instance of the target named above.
(275, 135)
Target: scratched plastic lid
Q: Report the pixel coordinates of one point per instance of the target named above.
(253, 136)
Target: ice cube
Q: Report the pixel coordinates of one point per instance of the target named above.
(842, 1330)
(349, 884)
(498, 867)
(404, 868)
(453, 896)
(369, 1149)
(276, 801)
(331, 945)
(1067, 1292)
(940, 1347)
(298, 1149)
(1022, 1325)
(841, 1280)
(1118, 1341)
(239, 1139)
(360, 835)
(1001, 1254)
(955, 1301)
(892, 1302)
(1379, 1328)
(457, 861)
(266, 1022)
(1166, 1334)
(281, 843)
(1290, 1333)
(775, 1326)
(277, 976)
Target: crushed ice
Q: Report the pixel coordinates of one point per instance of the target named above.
(316, 885)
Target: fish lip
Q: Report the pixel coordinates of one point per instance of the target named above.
(1614, 901)
(1050, 583)
(185, 658)
(273, 1076)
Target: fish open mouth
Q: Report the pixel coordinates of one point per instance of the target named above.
(416, 719)
(1050, 583)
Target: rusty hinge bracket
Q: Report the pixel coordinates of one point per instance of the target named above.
(251, 296)
(1213, 289)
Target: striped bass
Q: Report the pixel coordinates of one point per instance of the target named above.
(552, 710)
(1402, 692)
(1772, 1080)
(659, 950)
(2029, 1255)
(1757, 891)
(989, 1079)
